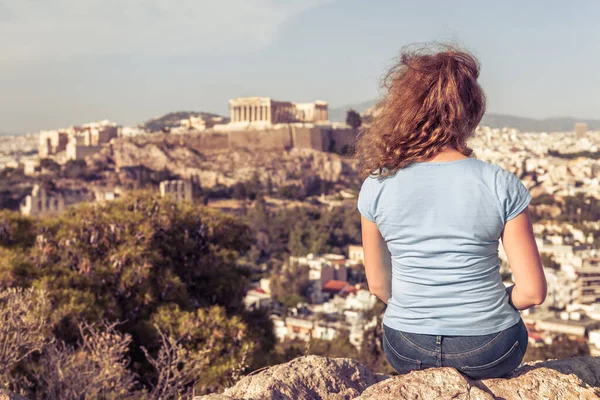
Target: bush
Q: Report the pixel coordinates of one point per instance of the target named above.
(143, 260)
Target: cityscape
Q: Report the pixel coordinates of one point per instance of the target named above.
(184, 213)
(561, 170)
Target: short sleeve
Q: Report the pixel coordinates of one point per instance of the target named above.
(512, 193)
(365, 204)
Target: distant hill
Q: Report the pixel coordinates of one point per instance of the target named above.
(491, 119)
(339, 114)
(536, 125)
(172, 119)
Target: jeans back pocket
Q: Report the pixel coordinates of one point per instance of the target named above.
(393, 346)
(499, 367)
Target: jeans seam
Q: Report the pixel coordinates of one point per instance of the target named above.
(416, 346)
(496, 361)
(479, 349)
(400, 356)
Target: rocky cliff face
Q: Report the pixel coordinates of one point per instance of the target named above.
(185, 157)
(314, 377)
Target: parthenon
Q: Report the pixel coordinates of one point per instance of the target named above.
(263, 110)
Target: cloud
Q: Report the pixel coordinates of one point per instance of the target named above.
(33, 30)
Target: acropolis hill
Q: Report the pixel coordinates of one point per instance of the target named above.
(264, 123)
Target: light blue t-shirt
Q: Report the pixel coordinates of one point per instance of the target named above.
(442, 222)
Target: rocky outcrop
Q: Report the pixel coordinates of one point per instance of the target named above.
(186, 157)
(314, 377)
(309, 377)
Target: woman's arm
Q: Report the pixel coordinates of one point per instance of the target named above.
(378, 261)
(524, 261)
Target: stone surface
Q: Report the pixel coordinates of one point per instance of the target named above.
(212, 163)
(309, 377)
(313, 378)
(572, 378)
(432, 383)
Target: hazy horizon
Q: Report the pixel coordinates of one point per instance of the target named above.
(69, 62)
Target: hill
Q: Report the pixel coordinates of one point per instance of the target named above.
(339, 114)
(492, 120)
(172, 119)
(558, 124)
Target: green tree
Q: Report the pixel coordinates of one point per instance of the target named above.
(211, 337)
(353, 119)
(371, 351)
(126, 260)
(340, 346)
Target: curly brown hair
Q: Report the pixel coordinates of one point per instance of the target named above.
(432, 101)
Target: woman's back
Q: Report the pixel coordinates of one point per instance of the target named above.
(432, 218)
(441, 222)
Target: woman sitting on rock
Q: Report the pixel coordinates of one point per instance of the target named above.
(432, 216)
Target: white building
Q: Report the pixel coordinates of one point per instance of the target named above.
(178, 190)
(322, 269)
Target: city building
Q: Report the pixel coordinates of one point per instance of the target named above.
(52, 143)
(44, 202)
(178, 190)
(77, 142)
(31, 167)
(356, 253)
(594, 341)
(259, 296)
(263, 110)
(322, 269)
(588, 281)
(580, 129)
(198, 123)
(77, 151)
(572, 324)
(41, 202)
(88, 139)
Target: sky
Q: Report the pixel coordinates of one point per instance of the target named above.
(66, 62)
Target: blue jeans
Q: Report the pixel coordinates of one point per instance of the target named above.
(479, 357)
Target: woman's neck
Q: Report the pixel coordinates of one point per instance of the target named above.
(447, 154)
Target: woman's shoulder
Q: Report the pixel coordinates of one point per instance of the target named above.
(488, 169)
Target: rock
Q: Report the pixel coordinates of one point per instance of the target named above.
(212, 397)
(313, 378)
(432, 383)
(309, 377)
(571, 378)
